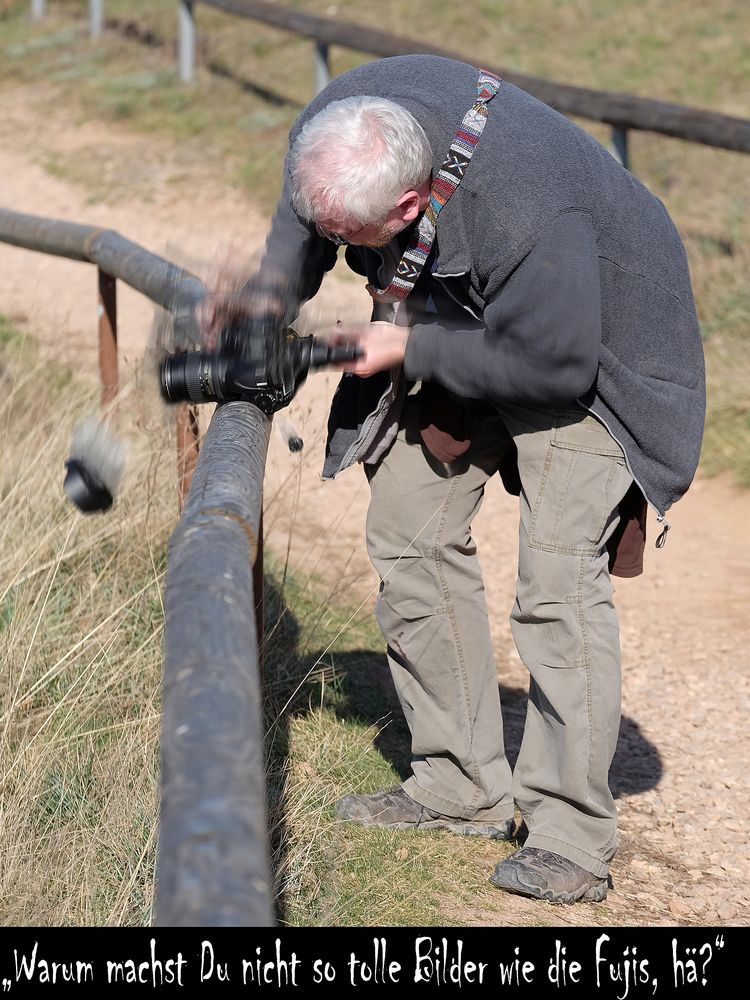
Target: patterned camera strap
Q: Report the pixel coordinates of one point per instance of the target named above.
(454, 166)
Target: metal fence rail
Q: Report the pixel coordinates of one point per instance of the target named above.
(212, 865)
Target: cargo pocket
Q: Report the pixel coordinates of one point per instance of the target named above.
(583, 480)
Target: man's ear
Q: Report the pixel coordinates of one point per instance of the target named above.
(409, 206)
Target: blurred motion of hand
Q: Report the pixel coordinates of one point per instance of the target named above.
(231, 297)
(217, 310)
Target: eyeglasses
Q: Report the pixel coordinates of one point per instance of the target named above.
(336, 238)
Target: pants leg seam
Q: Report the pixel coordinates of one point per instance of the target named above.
(475, 775)
(586, 661)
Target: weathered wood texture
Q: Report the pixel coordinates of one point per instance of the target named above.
(213, 867)
(622, 110)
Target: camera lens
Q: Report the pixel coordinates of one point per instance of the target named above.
(189, 377)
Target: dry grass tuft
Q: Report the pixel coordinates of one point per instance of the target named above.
(80, 647)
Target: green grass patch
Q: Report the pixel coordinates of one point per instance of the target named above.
(334, 726)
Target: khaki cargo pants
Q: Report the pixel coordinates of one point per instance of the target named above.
(432, 611)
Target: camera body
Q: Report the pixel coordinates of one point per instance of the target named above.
(254, 361)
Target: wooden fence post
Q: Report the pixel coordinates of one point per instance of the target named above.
(188, 447)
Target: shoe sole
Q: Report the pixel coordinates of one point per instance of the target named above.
(468, 829)
(586, 894)
(464, 829)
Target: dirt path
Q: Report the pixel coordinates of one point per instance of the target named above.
(681, 773)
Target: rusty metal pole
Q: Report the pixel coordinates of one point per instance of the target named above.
(188, 446)
(107, 310)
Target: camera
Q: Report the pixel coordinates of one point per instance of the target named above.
(253, 361)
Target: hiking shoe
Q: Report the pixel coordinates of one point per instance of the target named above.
(396, 810)
(544, 875)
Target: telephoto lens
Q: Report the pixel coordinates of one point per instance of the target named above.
(247, 373)
(195, 377)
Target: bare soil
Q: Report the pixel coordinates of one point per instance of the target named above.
(681, 772)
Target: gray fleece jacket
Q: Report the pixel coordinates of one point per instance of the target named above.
(570, 274)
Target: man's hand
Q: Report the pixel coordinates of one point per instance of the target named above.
(382, 345)
(237, 291)
(217, 311)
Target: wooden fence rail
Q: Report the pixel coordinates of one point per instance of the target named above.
(621, 111)
(213, 865)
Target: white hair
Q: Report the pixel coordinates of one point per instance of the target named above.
(355, 158)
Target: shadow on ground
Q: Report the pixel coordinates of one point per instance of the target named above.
(362, 691)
